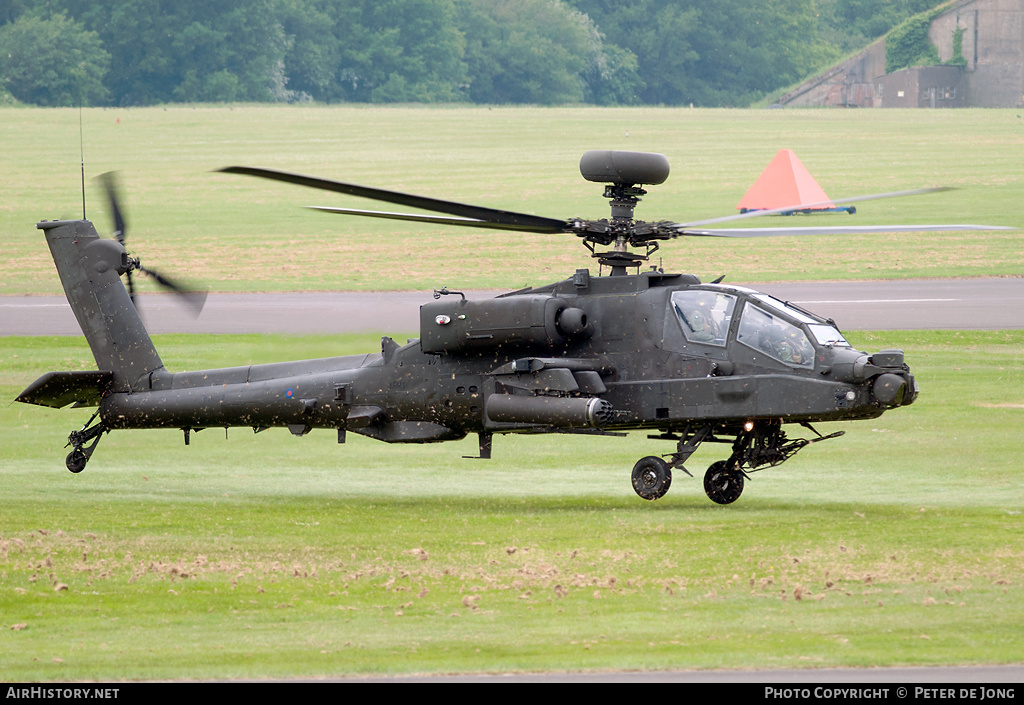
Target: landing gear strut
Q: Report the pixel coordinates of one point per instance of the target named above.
(758, 444)
(652, 476)
(81, 453)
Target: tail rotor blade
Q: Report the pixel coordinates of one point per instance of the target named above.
(195, 298)
(110, 185)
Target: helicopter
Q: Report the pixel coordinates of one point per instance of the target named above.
(687, 361)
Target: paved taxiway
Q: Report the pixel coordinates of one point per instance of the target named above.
(951, 304)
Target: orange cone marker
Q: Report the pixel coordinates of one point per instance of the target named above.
(784, 182)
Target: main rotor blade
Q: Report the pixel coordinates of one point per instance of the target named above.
(805, 206)
(833, 230)
(511, 220)
(435, 219)
(110, 185)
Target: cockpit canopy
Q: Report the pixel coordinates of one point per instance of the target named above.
(705, 316)
(767, 325)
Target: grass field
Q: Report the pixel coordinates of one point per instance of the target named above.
(275, 556)
(238, 234)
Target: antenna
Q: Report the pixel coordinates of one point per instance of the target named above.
(81, 149)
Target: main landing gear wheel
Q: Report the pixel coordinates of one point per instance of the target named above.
(651, 477)
(722, 483)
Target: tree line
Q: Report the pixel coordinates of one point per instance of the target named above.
(602, 52)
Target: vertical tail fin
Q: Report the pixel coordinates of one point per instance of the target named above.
(90, 269)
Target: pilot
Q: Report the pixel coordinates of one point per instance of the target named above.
(702, 321)
(793, 348)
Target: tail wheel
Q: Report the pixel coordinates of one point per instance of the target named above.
(723, 483)
(651, 477)
(76, 461)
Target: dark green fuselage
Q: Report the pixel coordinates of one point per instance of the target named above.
(533, 360)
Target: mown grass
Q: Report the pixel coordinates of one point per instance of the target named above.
(241, 234)
(272, 556)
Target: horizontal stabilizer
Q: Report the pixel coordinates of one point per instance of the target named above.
(58, 389)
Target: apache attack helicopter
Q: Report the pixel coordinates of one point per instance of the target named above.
(690, 362)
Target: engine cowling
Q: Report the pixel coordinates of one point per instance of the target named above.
(514, 322)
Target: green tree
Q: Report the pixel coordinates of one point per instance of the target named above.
(312, 55)
(749, 49)
(727, 52)
(52, 61)
(427, 65)
(873, 18)
(674, 52)
(657, 32)
(908, 44)
(381, 51)
(541, 51)
(612, 76)
(849, 25)
(186, 50)
(11, 10)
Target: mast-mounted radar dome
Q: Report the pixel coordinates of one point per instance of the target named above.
(626, 168)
